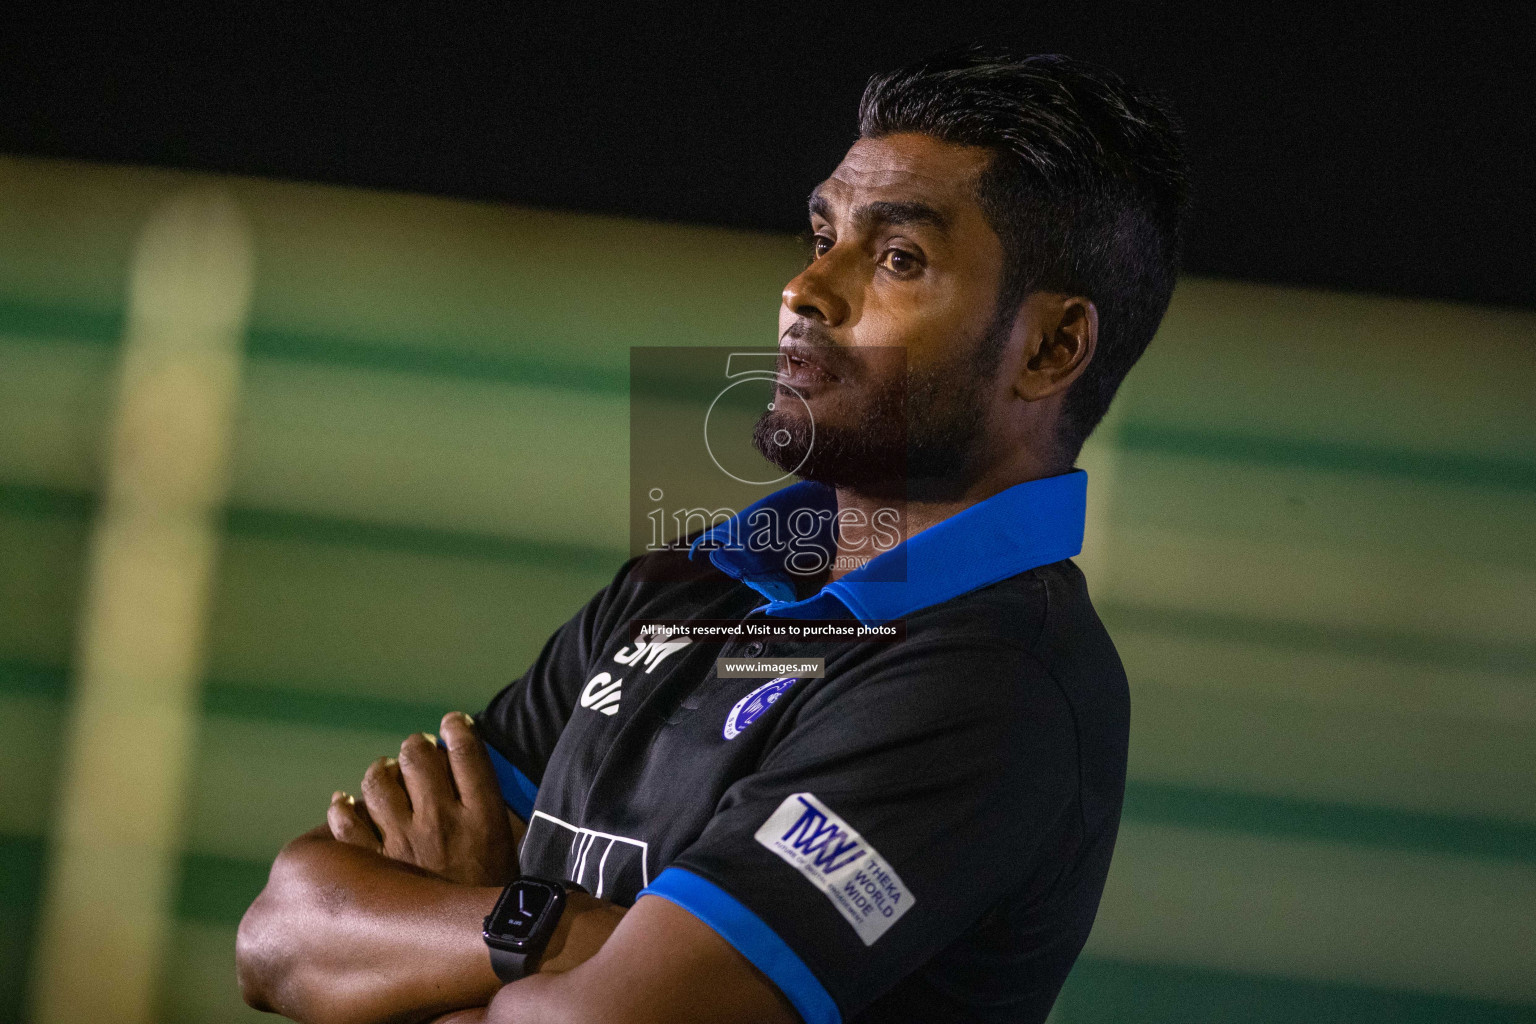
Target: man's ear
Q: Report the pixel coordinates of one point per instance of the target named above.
(1061, 332)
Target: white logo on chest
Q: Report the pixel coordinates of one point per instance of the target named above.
(652, 651)
(602, 691)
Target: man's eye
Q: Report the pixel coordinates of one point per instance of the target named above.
(819, 245)
(899, 261)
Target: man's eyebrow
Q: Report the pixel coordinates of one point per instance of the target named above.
(910, 211)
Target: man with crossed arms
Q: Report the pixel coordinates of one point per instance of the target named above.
(923, 834)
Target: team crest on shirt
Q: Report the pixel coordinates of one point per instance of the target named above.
(751, 707)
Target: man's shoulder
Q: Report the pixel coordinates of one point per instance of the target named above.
(1046, 618)
(1031, 609)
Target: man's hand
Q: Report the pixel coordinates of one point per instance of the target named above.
(438, 810)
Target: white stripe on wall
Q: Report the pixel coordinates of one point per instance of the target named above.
(132, 725)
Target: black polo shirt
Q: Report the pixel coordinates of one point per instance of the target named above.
(921, 835)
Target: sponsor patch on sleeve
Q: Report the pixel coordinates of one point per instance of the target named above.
(825, 849)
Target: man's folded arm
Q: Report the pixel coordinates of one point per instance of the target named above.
(377, 916)
(343, 935)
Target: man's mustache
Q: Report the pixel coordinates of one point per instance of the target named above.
(826, 352)
(810, 332)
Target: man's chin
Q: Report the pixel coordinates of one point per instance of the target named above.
(782, 440)
(837, 458)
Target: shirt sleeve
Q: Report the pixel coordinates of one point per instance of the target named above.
(522, 723)
(899, 806)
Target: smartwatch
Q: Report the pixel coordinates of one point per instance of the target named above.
(520, 925)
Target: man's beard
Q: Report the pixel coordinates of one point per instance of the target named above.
(913, 435)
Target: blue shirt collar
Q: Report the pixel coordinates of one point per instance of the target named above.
(1027, 525)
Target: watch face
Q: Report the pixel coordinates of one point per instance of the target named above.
(521, 912)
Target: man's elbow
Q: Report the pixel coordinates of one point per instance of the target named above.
(269, 953)
(256, 965)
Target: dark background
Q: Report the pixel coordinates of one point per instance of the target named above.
(1391, 151)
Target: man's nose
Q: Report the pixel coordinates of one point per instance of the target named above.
(814, 294)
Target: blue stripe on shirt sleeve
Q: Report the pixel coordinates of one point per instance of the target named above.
(752, 938)
(517, 789)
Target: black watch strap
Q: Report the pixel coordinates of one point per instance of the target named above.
(509, 966)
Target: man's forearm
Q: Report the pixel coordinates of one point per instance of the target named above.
(660, 965)
(342, 935)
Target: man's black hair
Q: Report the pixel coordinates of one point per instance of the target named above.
(1088, 189)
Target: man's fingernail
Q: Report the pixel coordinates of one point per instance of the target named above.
(430, 738)
(349, 798)
(391, 762)
(337, 796)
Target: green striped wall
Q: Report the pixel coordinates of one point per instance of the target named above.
(1316, 557)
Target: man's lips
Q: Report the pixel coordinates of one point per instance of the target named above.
(803, 365)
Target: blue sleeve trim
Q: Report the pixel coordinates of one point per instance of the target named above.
(752, 938)
(517, 789)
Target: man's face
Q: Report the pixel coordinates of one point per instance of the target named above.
(889, 335)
